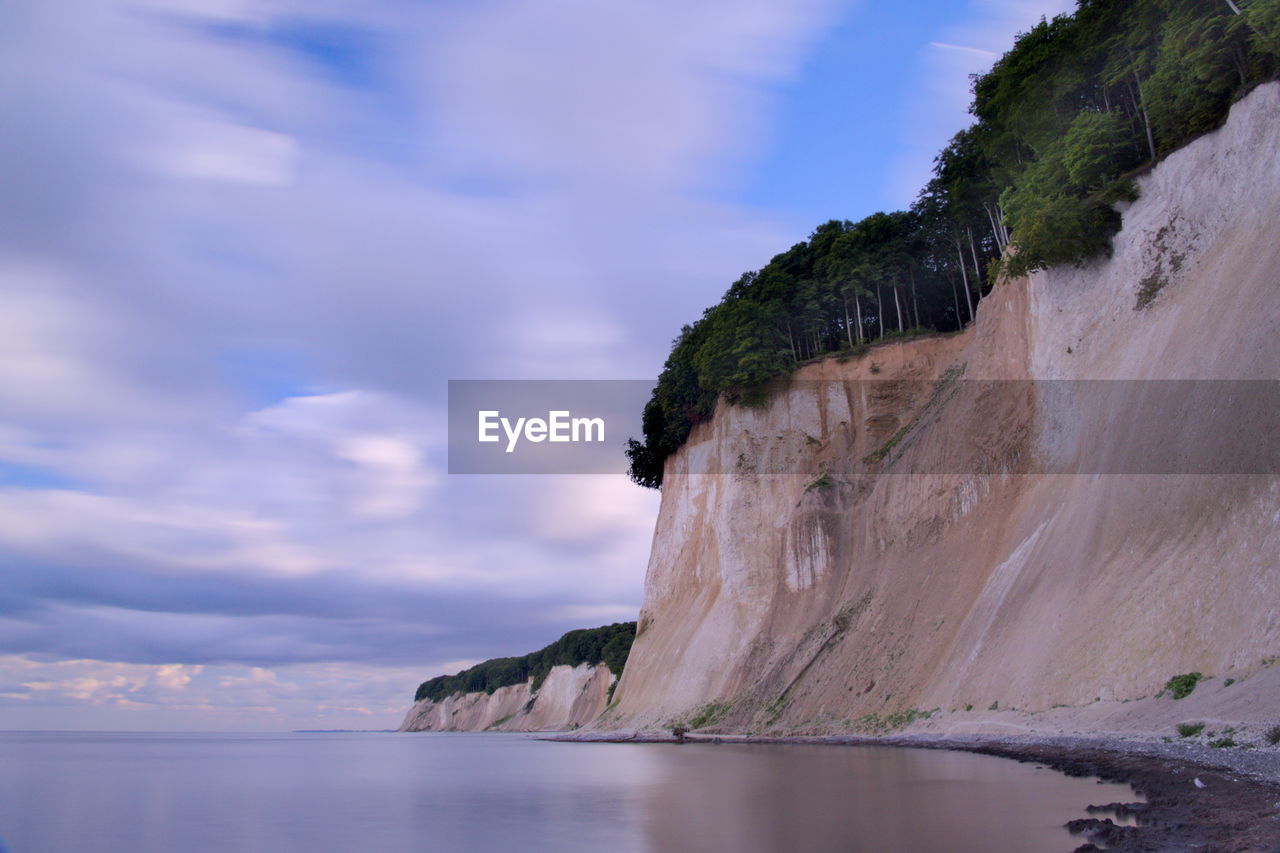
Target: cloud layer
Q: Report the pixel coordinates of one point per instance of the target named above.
(244, 244)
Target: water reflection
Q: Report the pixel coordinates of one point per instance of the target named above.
(822, 798)
(384, 793)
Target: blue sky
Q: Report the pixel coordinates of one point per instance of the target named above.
(246, 243)
(830, 157)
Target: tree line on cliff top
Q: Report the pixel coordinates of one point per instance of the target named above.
(1063, 121)
(608, 644)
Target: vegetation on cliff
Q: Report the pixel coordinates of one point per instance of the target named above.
(1062, 122)
(608, 644)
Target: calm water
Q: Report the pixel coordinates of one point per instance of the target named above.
(199, 793)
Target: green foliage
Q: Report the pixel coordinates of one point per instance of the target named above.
(616, 649)
(1189, 729)
(1197, 68)
(1273, 735)
(1098, 146)
(1083, 99)
(1225, 742)
(775, 709)
(743, 348)
(1054, 227)
(876, 724)
(1066, 230)
(608, 644)
(884, 450)
(708, 715)
(1181, 686)
(1076, 106)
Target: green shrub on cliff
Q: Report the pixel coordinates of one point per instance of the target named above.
(1181, 686)
(878, 725)
(709, 714)
(608, 644)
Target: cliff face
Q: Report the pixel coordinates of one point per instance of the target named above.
(569, 697)
(872, 547)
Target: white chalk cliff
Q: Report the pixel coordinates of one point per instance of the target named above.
(568, 697)
(820, 579)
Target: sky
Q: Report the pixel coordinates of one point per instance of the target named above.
(244, 244)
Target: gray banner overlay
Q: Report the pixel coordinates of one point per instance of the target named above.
(544, 426)
(885, 426)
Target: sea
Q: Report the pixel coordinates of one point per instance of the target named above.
(111, 792)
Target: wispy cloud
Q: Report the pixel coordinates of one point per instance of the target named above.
(976, 51)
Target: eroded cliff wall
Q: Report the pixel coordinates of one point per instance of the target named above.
(569, 697)
(870, 547)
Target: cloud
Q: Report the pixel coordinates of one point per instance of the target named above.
(988, 55)
(244, 245)
(607, 96)
(122, 696)
(211, 148)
